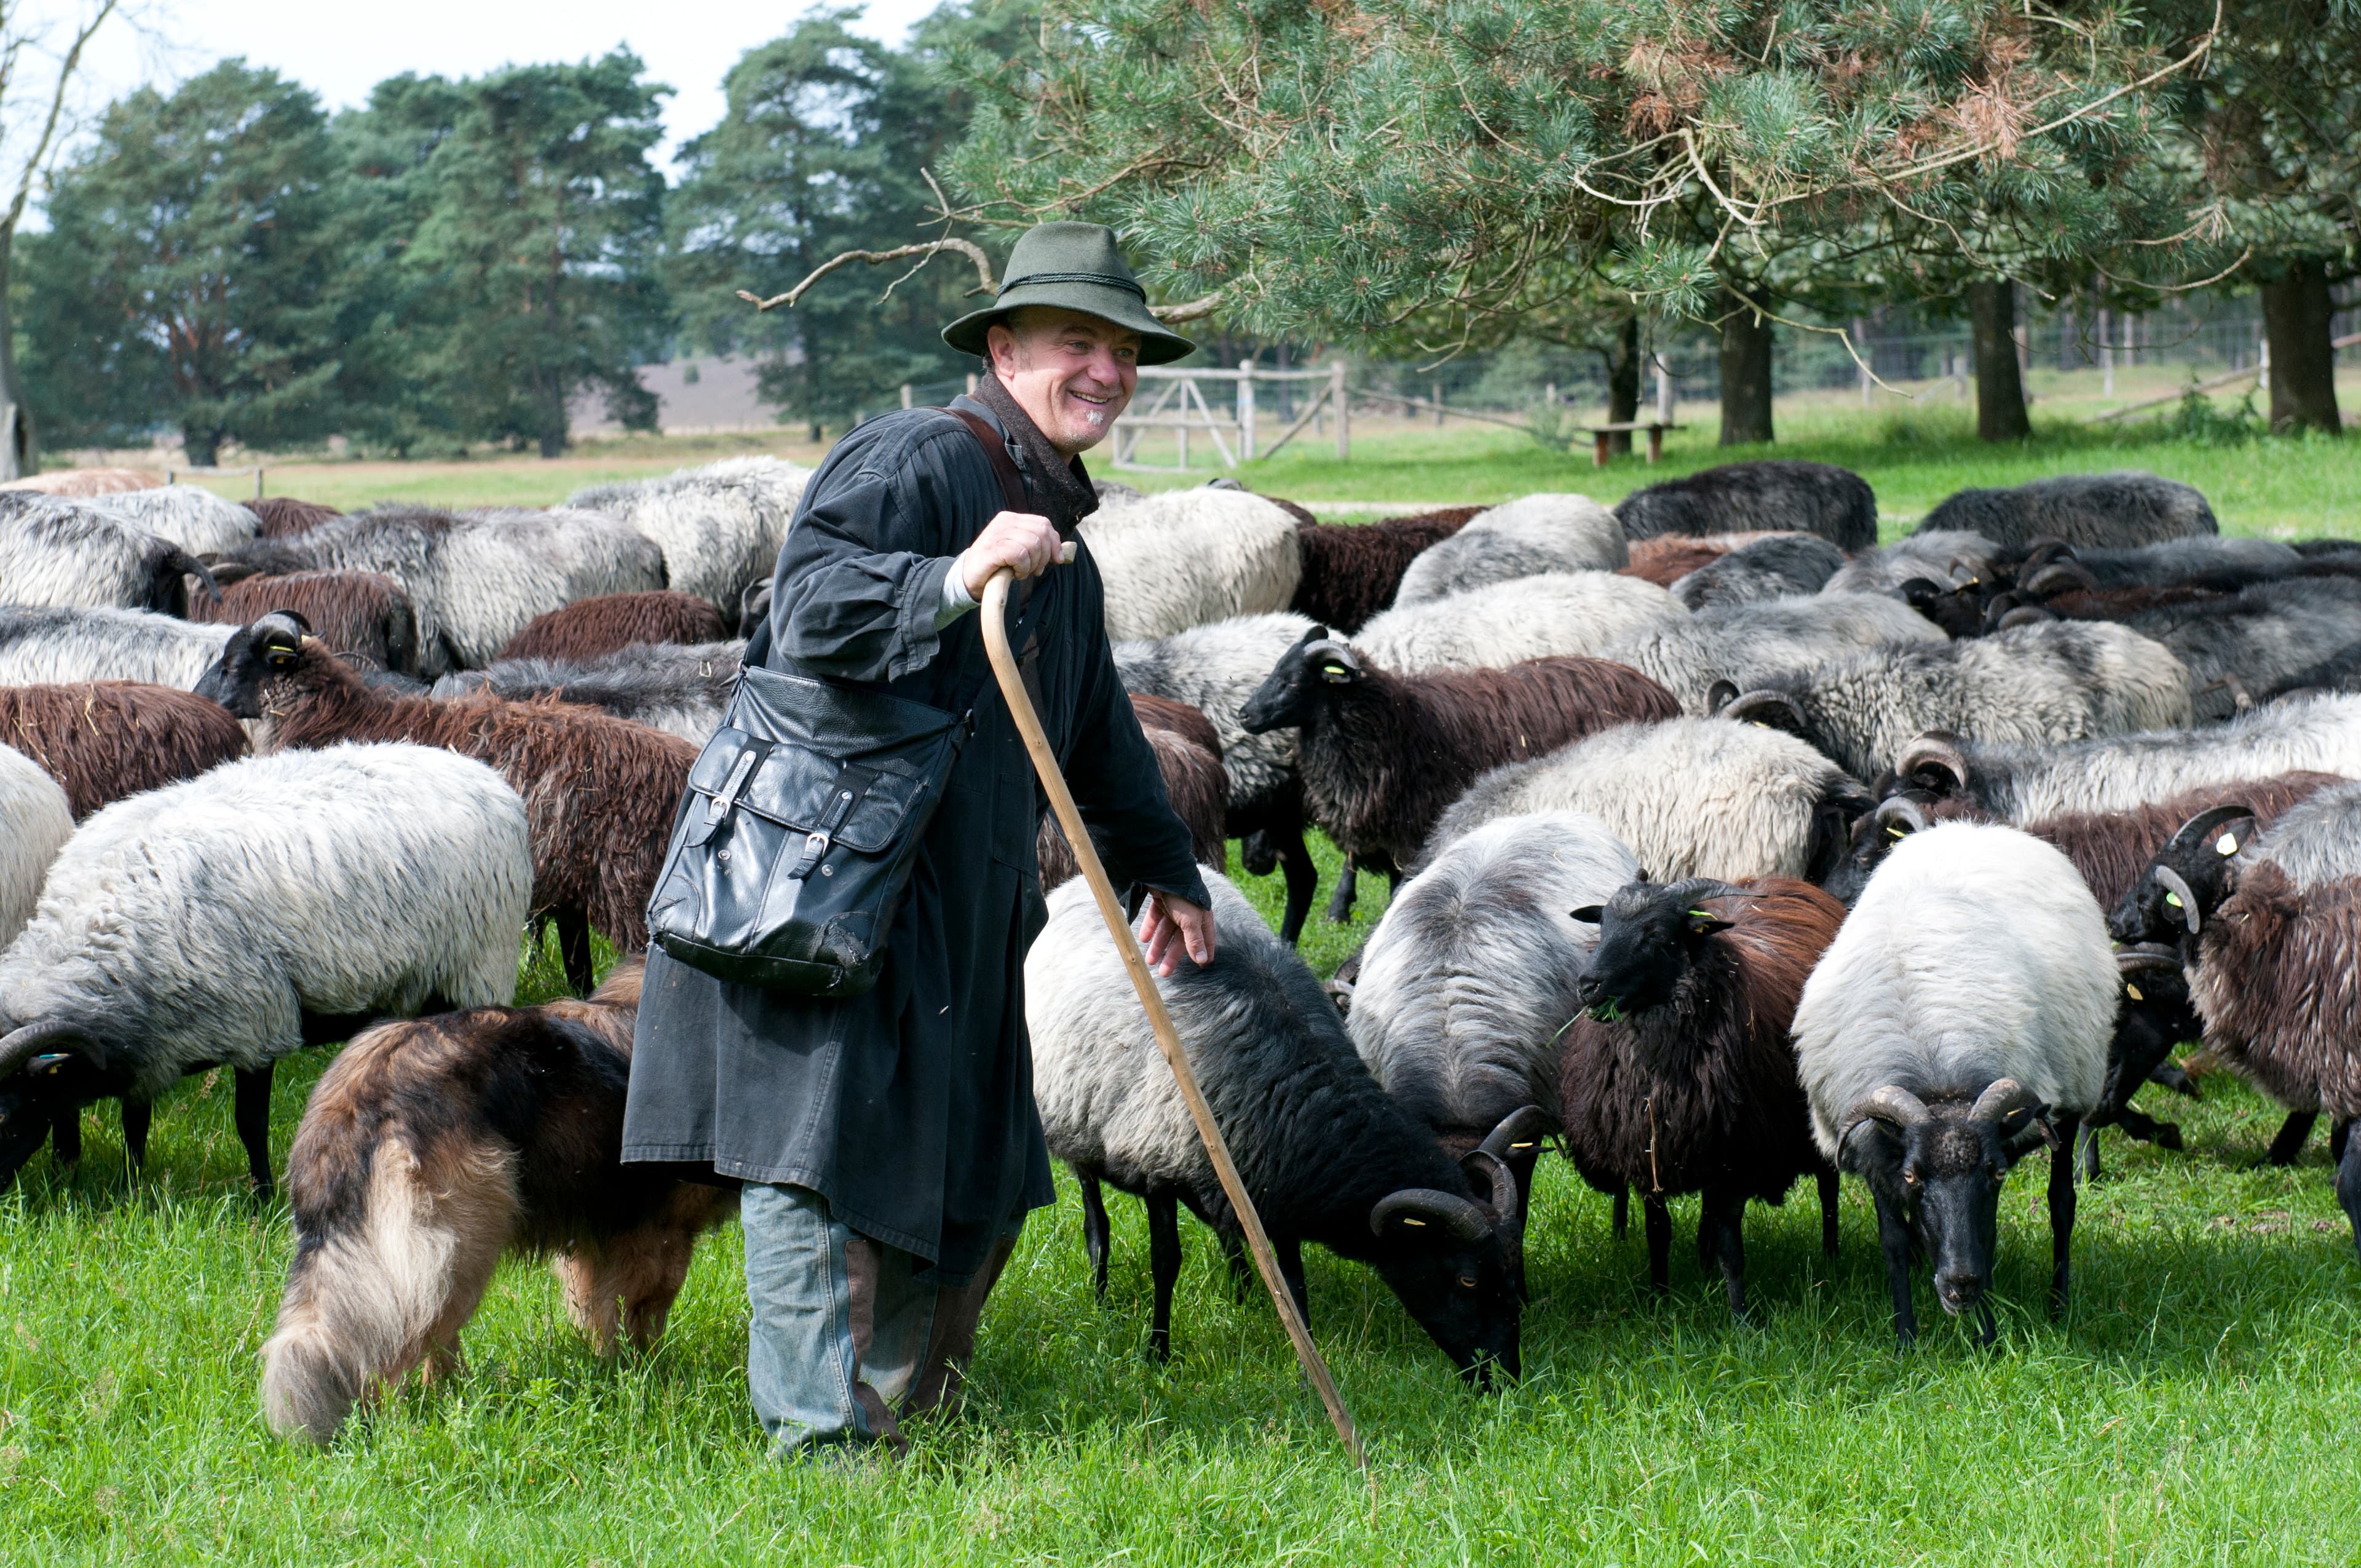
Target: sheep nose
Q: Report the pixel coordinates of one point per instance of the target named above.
(1588, 992)
(1958, 1289)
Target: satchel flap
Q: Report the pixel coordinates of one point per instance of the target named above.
(795, 786)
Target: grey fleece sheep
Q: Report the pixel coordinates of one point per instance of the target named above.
(1745, 644)
(1468, 982)
(1521, 538)
(2179, 560)
(65, 554)
(2262, 638)
(1769, 493)
(1782, 566)
(2127, 506)
(263, 905)
(1691, 797)
(679, 688)
(1943, 556)
(719, 526)
(36, 819)
(1556, 613)
(2060, 680)
(57, 647)
(475, 578)
(192, 517)
(1183, 558)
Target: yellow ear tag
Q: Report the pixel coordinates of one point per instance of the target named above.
(2226, 844)
(2134, 993)
(1408, 1221)
(2173, 899)
(1894, 832)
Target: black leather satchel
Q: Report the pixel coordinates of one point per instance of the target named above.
(794, 842)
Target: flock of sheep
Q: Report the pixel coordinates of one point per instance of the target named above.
(1727, 847)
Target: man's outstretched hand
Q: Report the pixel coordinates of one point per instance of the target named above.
(1172, 924)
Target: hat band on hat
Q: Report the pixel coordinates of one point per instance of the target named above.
(1106, 280)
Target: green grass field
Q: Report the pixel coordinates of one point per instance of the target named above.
(2197, 1403)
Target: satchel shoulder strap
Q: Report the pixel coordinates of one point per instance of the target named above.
(996, 452)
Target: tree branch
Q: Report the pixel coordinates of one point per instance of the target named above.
(66, 68)
(929, 249)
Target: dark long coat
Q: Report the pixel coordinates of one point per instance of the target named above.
(910, 1107)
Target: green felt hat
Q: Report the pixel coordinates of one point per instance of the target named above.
(1077, 268)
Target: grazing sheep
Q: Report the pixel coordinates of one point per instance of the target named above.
(1189, 756)
(38, 819)
(475, 578)
(1115, 492)
(719, 526)
(1381, 754)
(364, 615)
(1217, 669)
(601, 790)
(83, 482)
(1691, 797)
(65, 554)
(231, 920)
(1183, 558)
(1522, 538)
(2261, 639)
(1960, 1017)
(1328, 1156)
(430, 1149)
(2200, 558)
(1557, 613)
(1352, 571)
(2339, 672)
(1745, 645)
(2057, 680)
(1768, 493)
(2320, 733)
(1679, 1075)
(283, 517)
(681, 690)
(593, 628)
(62, 645)
(1944, 558)
(105, 741)
(192, 517)
(1461, 997)
(1785, 565)
(2123, 508)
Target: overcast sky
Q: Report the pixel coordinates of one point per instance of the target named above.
(341, 49)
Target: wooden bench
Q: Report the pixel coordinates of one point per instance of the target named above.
(1600, 432)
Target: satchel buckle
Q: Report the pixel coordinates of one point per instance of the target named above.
(717, 810)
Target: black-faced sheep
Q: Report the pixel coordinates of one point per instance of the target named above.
(1785, 565)
(2054, 682)
(283, 517)
(1183, 558)
(1769, 493)
(103, 741)
(681, 689)
(601, 790)
(2123, 509)
(1960, 1017)
(363, 614)
(1557, 613)
(66, 554)
(1328, 1156)
(432, 1149)
(1745, 645)
(1381, 754)
(39, 819)
(49, 646)
(719, 526)
(1680, 1076)
(271, 903)
(1522, 538)
(1189, 756)
(594, 628)
(1352, 571)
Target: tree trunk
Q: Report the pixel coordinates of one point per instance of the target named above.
(1623, 383)
(1745, 365)
(201, 448)
(2000, 392)
(2295, 311)
(551, 437)
(19, 453)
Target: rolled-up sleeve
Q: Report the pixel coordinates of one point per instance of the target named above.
(854, 598)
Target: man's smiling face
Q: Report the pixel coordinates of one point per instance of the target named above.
(1073, 373)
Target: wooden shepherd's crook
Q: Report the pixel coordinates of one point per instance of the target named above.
(995, 609)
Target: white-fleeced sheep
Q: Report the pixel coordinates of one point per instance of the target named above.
(59, 646)
(1522, 538)
(1945, 556)
(1745, 644)
(1184, 558)
(719, 526)
(192, 517)
(681, 689)
(35, 821)
(64, 554)
(1506, 623)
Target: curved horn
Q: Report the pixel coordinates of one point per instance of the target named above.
(1752, 707)
(1720, 695)
(1893, 1105)
(234, 571)
(1900, 812)
(1520, 1131)
(2001, 1097)
(2025, 615)
(1486, 1169)
(2044, 550)
(1934, 749)
(2061, 576)
(21, 1045)
(181, 560)
(2146, 955)
(2176, 885)
(303, 622)
(1428, 1208)
(2200, 827)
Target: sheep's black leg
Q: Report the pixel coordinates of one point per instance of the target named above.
(1623, 1213)
(2087, 1151)
(574, 949)
(1724, 1217)
(1094, 1229)
(1348, 888)
(1302, 880)
(1241, 1272)
(65, 1134)
(137, 1113)
(2340, 1134)
(2348, 1187)
(2175, 1077)
(1894, 1240)
(23, 1130)
(1288, 1251)
(2293, 1132)
(253, 1113)
(2061, 1214)
(1164, 1269)
(1660, 1242)
(2148, 1130)
(1828, 1194)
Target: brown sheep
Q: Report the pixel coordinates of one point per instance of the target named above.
(283, 517)
(1352, 571)
(1188, 755)
(363, 614)
(103, 740)
(599, 791)
(592, 628)
(433, 1146)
